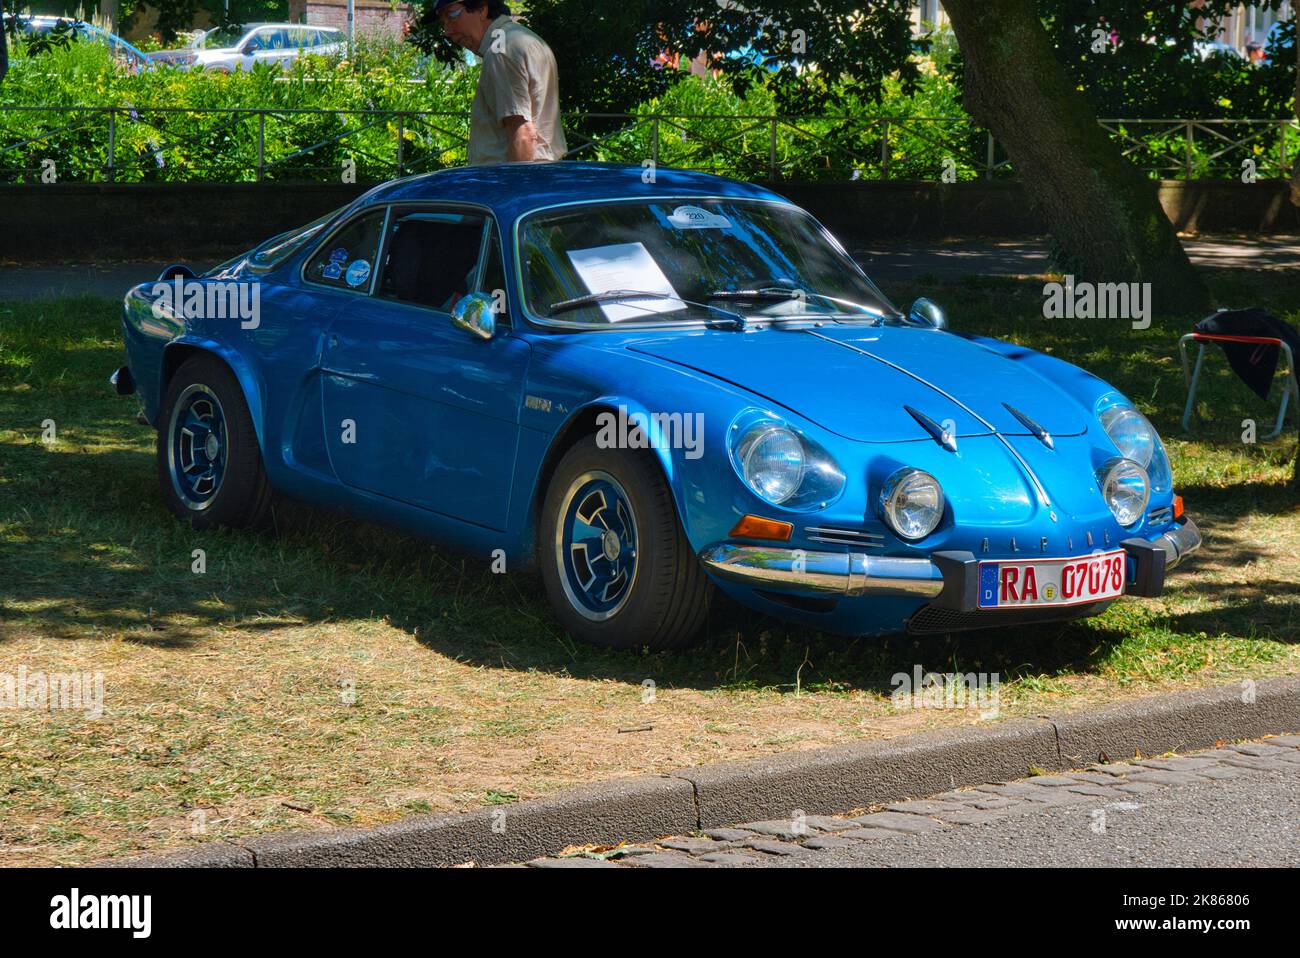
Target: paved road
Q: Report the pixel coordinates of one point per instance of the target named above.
(1234, 806)
(897, 261)
(20, 281)
(885, 262)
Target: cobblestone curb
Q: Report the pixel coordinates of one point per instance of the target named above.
(704, 801)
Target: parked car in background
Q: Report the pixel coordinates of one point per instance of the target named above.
(226, 49)
(651, 391)
(1209, 48)
(130, 57)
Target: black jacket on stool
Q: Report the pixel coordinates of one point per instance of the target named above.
(1255, 363)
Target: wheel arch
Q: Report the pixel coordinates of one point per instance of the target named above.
(583, 422)
(179, 351)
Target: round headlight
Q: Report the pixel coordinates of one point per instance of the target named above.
(1126, 489)
(772, 462)
(1134, 437)
(912, 503)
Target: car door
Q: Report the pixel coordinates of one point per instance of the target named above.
(265, 46)
(301, 40)
(280, 47)
(417, 409)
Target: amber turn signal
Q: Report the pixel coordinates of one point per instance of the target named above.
(1178, 507)
(756, 527)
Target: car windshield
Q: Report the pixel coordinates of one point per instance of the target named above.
(277, 249)
(758, 259)
(222, 38)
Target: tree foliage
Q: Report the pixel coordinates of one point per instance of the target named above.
(1145, 59)
(611, 54)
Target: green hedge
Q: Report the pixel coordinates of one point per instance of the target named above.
(170, 125)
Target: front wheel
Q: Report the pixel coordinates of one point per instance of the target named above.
(617, 568)
(209, 465)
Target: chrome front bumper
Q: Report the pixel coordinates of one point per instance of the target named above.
(1178, 543)
(858, 574)
(828, 573)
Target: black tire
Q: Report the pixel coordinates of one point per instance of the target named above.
(241, 497)
(668, 599)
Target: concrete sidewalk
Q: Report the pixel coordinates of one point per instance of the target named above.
(884, 262)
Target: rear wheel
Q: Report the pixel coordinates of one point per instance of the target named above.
(616, 565)
(209, 465)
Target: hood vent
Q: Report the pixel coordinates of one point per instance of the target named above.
(942, 436)
(1038, 432)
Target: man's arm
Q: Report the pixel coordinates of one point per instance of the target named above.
(523, 139)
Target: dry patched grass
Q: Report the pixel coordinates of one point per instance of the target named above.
(333, 672)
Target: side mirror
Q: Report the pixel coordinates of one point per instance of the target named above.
(176, 271)
(474, 314)
(925, 312)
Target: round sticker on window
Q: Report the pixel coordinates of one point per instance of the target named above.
(698, 218)
(358, 273)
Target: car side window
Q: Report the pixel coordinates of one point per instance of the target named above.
(431, 259)
(347, 259)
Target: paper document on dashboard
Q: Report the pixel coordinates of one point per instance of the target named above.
(625, 266)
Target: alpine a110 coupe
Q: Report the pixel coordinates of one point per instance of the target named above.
(652, 385)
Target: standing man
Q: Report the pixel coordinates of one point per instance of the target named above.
(516, 112)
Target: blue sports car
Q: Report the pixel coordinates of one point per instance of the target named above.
(652, 384)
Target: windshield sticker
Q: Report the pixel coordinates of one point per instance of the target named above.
(340, 255)
(626, 266)
(358, 273)
(332, 270)
(697, 218)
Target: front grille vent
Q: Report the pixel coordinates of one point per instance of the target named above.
(932, 620)
(845, 537)
(1158, 517)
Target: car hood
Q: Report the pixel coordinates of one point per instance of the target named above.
(857, 380)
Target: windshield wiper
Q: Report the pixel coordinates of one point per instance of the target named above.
(783, 294)
(615, 295)
(774, 293)
(609, 296)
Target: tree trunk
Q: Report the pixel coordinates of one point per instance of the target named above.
(1103, 212)
(1295, 161)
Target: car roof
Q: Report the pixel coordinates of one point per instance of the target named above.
(513, 189)
(43, 19)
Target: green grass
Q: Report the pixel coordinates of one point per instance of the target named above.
(225, 691)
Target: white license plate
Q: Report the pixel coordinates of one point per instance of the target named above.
(1021, 585)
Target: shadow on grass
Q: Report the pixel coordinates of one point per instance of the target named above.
(87, 550)
(104, 559)
(112, 562)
